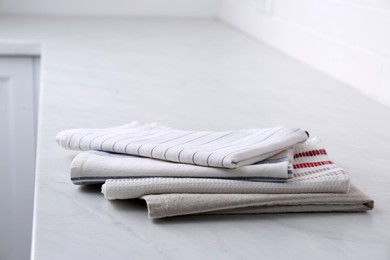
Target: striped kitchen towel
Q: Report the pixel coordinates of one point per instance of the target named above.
(94, 167)
(313, 173)
(229, 149)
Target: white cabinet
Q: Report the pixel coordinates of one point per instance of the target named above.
(18, 121)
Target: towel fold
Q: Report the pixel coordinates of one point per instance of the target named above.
(229, 149)
(95, 167)
(313, 173)
(166, 205)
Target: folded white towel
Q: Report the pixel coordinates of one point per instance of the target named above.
(230, 149)
(313, 173)
(96, 167)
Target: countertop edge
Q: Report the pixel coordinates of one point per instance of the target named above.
(20, 48)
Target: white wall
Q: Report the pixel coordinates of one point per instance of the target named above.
(347, 39)
(111, 7)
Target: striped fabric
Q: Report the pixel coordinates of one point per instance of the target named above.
(229, 149)
(311, 174)
(94, 167)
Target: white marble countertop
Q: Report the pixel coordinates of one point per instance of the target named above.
(193, 74)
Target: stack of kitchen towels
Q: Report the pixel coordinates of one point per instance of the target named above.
(250, 171)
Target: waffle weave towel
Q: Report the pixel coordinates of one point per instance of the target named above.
(313, 173)
(166, 205)
(95, 167)
(230, 149)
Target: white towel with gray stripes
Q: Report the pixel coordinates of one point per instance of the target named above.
(229, 149)
(94, 167)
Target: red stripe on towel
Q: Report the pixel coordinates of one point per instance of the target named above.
(311, 164)
(310, 153)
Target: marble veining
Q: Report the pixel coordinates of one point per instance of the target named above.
(193, 74)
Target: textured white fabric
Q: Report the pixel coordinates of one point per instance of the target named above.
(312, 176)
(229, 149)
(166, 205)
(95, 167)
